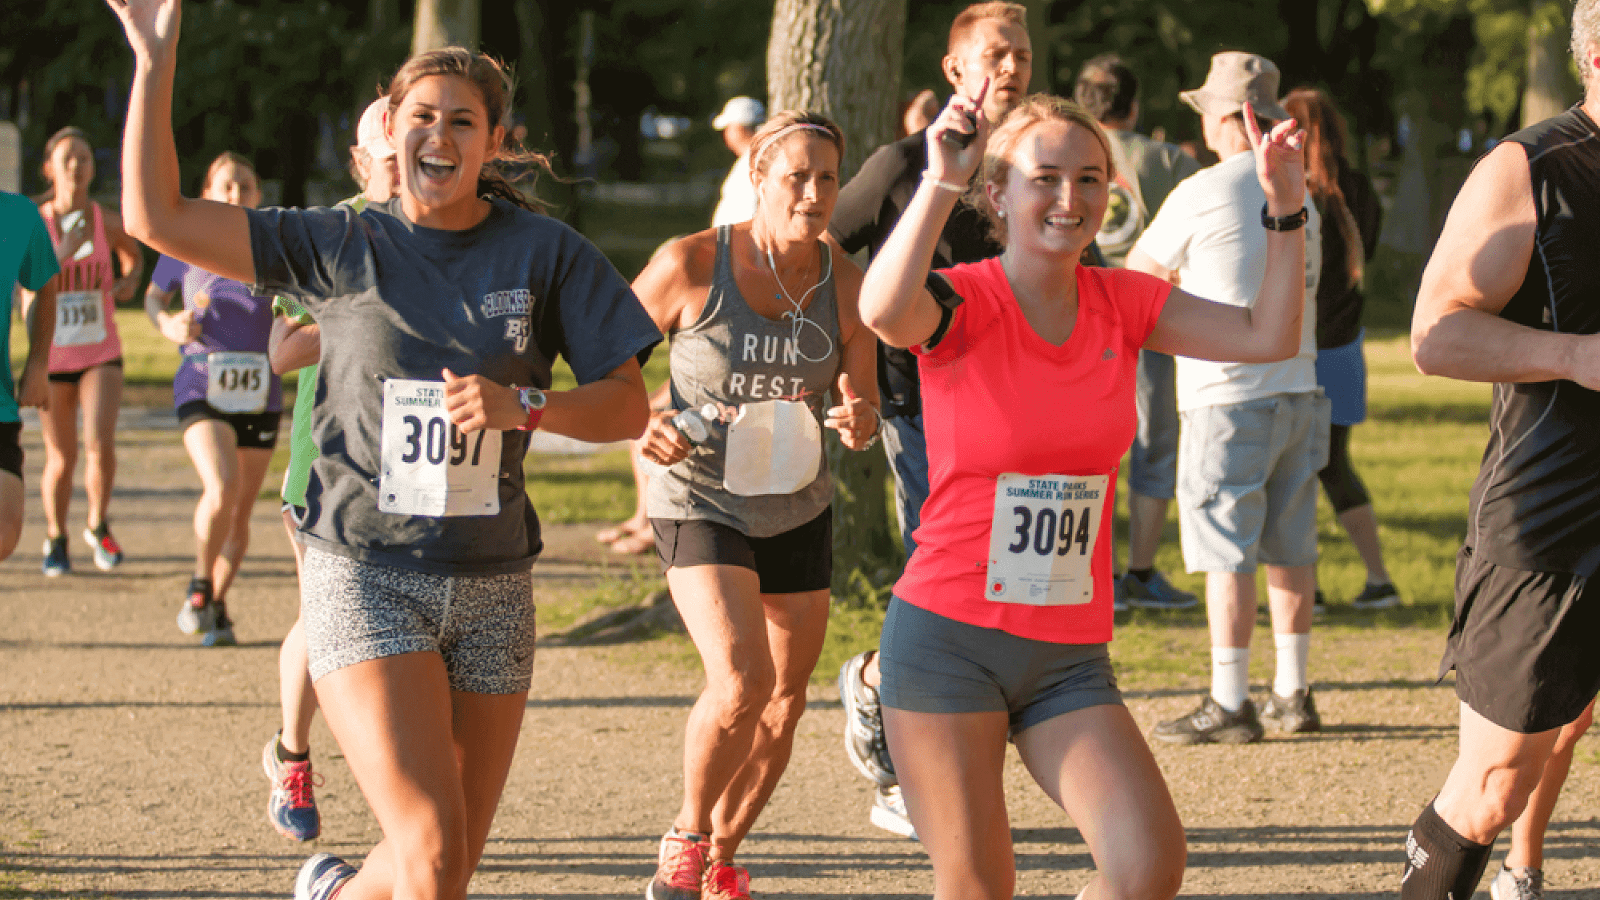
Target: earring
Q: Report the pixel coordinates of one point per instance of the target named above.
(1001, 213)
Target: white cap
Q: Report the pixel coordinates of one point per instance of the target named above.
(740, 111)
(369, 134)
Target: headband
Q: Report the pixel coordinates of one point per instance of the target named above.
(784, 131)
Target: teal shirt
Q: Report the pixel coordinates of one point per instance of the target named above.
(27, 258)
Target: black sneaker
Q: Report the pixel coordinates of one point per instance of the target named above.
(1294, 714)
(1211, 724)
(1377, 596)
(198, 613)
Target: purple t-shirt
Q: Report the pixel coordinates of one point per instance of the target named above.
(230, 318)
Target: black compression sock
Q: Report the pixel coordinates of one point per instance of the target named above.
(1440, 864)
(284, 755)
(1142, 574)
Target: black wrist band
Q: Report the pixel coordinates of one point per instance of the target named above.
(1291, 222)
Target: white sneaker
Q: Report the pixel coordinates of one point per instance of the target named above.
(889, 812)
(1517, 884)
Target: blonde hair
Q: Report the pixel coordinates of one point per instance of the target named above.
(1034, 110)
(969, 18)
(784, 124)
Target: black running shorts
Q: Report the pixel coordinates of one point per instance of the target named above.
(1523, 644)
(798, 560)
(11, 448)
(253, 431)
(75, 377)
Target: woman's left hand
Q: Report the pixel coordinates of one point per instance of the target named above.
(1280, 163)
(123, 288)
(854, 418)
(475, 402)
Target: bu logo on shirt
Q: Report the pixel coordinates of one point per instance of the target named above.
(516, 304)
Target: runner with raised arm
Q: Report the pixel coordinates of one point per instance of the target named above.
(442, 313)
(1000, 625)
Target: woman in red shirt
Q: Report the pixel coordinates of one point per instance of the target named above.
(999, 627)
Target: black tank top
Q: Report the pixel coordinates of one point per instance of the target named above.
(1536, 501)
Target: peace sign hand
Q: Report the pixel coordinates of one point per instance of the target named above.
(151, 25)
(1280, 163)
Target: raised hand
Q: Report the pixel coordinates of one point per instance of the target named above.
(1280, 163)
(151, 25)
(957, 138)
(854, 418)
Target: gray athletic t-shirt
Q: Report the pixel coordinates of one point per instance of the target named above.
(398, 300)
(733, 356)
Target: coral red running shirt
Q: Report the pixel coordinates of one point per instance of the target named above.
(1044, 427)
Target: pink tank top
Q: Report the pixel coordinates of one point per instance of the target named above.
(86, 329)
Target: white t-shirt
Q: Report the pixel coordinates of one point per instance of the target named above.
(1209, 231)
(738, 203)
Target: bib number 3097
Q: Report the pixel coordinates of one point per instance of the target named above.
(1042, 538)
(430, 468)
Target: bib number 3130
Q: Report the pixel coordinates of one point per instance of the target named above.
(1042, 539)
(431, 468)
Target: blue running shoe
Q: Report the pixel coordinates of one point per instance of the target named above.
(321, 877)
(291, 808)
(56, 562)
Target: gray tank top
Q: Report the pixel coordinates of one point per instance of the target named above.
(732, 356)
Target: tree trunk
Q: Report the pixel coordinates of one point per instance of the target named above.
(440, 23)
(843, 60)
(1043, 80)
(1550, 86)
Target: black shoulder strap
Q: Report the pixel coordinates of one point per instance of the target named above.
(948, 300)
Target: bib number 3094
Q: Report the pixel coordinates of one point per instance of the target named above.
(1042, 539)
(431, 468)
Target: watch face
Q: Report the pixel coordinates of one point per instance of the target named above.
(532, 398)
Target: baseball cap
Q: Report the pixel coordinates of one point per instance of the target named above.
(740, 111)
(369, 134)
(1236, 79)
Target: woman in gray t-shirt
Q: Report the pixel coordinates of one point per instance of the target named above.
(764, 320)
(434, 307)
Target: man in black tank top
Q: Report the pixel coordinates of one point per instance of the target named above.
(1512, 296)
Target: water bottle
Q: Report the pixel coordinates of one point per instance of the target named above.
(696, 424)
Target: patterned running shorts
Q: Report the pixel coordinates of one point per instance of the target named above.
(483, 626)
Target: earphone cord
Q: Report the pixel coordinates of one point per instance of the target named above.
(797, 318)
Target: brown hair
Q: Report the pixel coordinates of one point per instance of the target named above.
(495, 87)
(1325, 141)
(68, 133)
(968, 19)
(1107, 88)
(1033, 110)
(767, 137)
(223, 158)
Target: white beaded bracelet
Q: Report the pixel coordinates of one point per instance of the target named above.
(946, 185)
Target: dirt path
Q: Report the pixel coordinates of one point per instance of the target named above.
(129, 758)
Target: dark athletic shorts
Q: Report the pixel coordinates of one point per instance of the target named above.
(254, 431)
(800, 559)
(1523, 644)
(75, 377)
(935, 664)
(11, 448)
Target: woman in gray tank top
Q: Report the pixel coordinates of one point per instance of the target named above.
(765, 325)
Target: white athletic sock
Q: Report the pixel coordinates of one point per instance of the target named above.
(1294, 652)
(1230, 676)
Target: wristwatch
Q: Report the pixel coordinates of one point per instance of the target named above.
(1290, 222)
(532, 400)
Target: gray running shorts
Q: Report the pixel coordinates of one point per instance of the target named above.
(483, 625)
(933, 664)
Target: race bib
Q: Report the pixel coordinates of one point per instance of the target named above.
(237, 382)
(430, 468)
(1042, 539)
(80, 320)
(774, 447)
